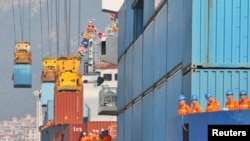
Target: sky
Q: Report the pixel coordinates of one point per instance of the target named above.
(37, 22)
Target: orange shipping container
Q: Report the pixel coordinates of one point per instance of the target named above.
(98, 125)
(68, 107)
(73, 132)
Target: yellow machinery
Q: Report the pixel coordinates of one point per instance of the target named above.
(49, 70)
(68, 81)
(69, 64)
(68, 77)
(22, 54)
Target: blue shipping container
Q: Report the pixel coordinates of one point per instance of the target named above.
(219, 32)
(22, 76)
(50, 110)
(216, 81)
(47, 93)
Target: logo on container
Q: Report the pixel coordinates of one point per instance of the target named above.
(77, 129)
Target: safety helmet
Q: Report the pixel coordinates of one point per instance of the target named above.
(84, 133)
(229, 92)
(207, 95)
(194, 97)
(181, 97)
(243, 92)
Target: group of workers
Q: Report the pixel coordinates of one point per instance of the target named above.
(95, 136)
(213, 104)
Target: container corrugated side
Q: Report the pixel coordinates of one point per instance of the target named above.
(73, 132)
(216, 81)
(147, 57)
(137, 68)
(47, 93)
(129, 23)
(98, 125)
(50, 109)
(68, 108)
(219, 36)
(22, 76)
(122, 30)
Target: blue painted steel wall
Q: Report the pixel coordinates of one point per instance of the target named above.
(129, 23)
(174, 34)
(148, 10)
(121, 84)
(174, 89)
(85, 113)
(187, 29)
(137, 68)
(50, 110)
(198, 123)
(137, 122)
(120, 129)
(160, 45)
(22, 75)
(216, 81)
(122, 30)
(160, 114)
(128, 124)
(147, 118)
(47, 93)
(128, 93)
(147, 52)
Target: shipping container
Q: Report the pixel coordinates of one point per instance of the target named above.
(47, 93)
(73, 132)
(50, 110)
(147, 57)
(68, 107)
(106, 125)
(129, 23)
(122, 30)
(22, 76)
(137, 68)
(22, 54)
(219, 33)
(121, 84)
(216, 81)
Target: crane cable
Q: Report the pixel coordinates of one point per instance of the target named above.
(79, 23)
(21, 14)
(29, 19)
(57, 27)
(48, 21)
(66, 27)
(13, 15)
(41, 26)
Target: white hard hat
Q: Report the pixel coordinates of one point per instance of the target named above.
(84, 133)
(97, 131)
(93, 130)
(102, 129)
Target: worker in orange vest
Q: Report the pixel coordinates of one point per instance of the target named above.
(212, 104)
(84, 137)
(195, 108)
(244, 102)
(183, 107)
(107, 136)
(231, 103)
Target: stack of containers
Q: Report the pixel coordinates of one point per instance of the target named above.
(48, 80)
(68, 97)
(22, 75)
(189, 47)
